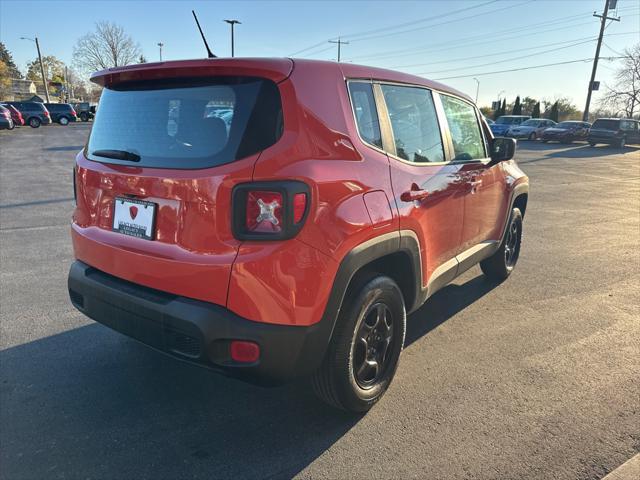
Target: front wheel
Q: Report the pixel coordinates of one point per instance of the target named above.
(64, 121)
(34, 122)
(363, 354)
(84, 116)
(500, 265)
(622, 142)
(532, 136)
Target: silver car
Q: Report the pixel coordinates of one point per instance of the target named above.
(530, 129)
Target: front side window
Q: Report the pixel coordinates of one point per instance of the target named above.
(468, 143)
(414, 123)
(364, 108)
(628, 125)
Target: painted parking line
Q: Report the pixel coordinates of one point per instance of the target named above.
(629, 470)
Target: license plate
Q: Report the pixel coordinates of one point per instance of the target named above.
(134, 217)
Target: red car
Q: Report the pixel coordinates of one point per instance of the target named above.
(16, 116)
(278, 218)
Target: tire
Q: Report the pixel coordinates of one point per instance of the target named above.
(84, 116)
(11, 125)
(592, 144)
(34, 122)
(362, 356)
(622, 142)
(500, 265)
(532, 136)
(63, 121)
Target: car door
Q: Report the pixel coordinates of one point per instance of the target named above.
(484, 184)
(630, 130)
(426, 186)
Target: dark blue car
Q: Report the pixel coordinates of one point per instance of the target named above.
(505, 122)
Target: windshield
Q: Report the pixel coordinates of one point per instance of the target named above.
(186, 125)
(566, 125)
(531, 123)
(510, 120)
(606, 124)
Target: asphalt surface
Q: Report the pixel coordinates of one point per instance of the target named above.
(538, 377)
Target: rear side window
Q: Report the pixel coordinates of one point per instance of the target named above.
(628, 125)
(189, 124)
(414, 123)
(468, 143)
(364, 108)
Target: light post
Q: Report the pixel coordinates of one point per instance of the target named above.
(44, 78)
(477, 88)
(232, 23)
(160, 44)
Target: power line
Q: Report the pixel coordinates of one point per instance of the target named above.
(526, 68)
(512, 58)
(391, 27)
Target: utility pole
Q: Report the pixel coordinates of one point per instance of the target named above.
(160, 44)
(477, 88)
(44, 78)
(603, 20)
(339, 42)
(232, 23)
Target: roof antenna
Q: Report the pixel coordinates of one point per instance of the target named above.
(209, 52)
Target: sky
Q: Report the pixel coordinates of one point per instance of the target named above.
(453, 41)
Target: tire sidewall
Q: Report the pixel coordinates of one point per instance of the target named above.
(64, 121)
(34, 122)
(516, 216)
(379, 290)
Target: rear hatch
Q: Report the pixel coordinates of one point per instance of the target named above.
(155, 179)
(604, 128)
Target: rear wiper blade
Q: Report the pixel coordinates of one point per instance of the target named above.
(117, 154)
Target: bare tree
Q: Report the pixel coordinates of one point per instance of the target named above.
(109, 46)
(624, 96)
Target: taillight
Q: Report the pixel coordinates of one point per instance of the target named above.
(46, 114)
(73, 113)
(269, 210)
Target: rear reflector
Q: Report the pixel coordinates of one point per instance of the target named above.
(244, 352)
(299, 206)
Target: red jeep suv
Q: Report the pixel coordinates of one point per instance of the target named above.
(278, 218)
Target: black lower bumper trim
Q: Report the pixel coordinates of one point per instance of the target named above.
(195, 331)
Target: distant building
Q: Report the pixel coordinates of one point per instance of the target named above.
(21, 89)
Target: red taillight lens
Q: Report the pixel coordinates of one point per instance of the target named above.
(46, 114)
(73, 113)
(244, 352)
(299, 206)
(264, 212)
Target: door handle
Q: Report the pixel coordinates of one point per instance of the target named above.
(414, 194)
(475, 183)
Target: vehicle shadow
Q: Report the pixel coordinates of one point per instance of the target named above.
(90, 403)
(572, 150)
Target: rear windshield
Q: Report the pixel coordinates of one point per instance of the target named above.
(186, 124)
(606, 124)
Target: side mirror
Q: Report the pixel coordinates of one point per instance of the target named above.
(502, 149)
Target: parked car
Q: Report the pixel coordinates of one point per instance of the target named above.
(85, 111)
(16, 116)
(531, 129)
(488, 120)
(614, 131)
(296, 244)
(62, 113)
(6, 123)
(567, 132)
(505, 122)
(34, 113)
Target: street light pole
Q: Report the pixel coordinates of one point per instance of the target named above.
(232, 23)
(477, 88)
(160, 44)
(44, 78)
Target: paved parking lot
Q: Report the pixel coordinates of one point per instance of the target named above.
(535, 378)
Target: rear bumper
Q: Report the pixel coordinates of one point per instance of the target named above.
(195, 331)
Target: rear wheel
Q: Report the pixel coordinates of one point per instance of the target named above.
(532, 136)
(64, 121)
(622, 142)
(363, 354)
(11, 125)
(84, 116)
(500, 265)
(34, 122)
